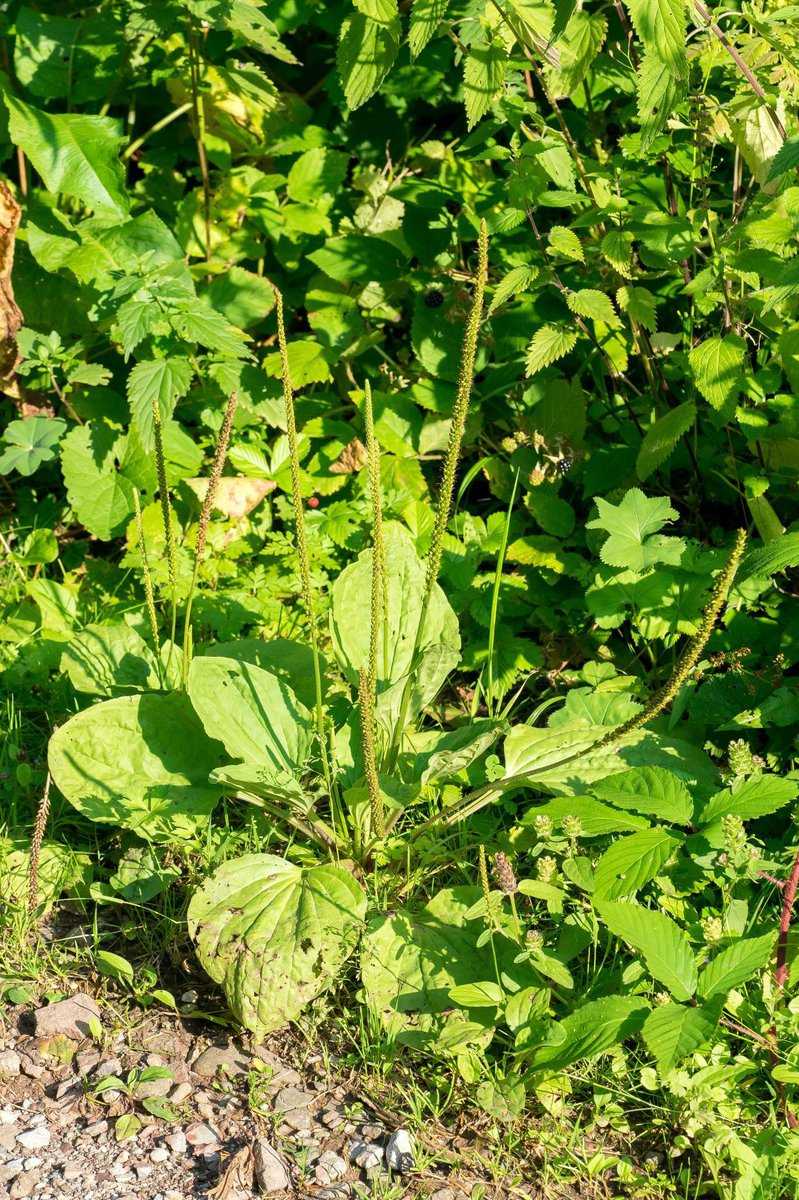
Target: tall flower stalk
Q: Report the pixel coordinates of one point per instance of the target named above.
(300, 537)
(460, 412)
(149, 596)
(166, 517)
(220, 454)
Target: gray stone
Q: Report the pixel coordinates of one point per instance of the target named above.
(270, 1171)
(366, 1155)
(200, 1134)
(95, 1129)
(109, 1066)
(34, 1139)
(177, 1142)
(444, 1194)
(11, 1169)
(8, 1116)
(216, 1058)
(69, 1017)
(73, 1171)
(180, 1092)
(86, 1061)
(399, 1152)
(8, 1138)
(330, 1167)
(23, 1185)
(289, 1099)
(9, 1062)
(159, 1155)
(154, 1087)
(372, 1132)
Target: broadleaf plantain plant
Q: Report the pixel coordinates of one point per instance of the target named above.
(356, 786)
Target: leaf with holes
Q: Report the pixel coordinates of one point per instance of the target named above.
(275, 935)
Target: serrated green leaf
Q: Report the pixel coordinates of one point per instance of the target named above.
(590, 1030)
(660, 89)
(616, 247)
(778, 555)
(753, 797)
(661, 26)
(661, 438)
(632, 861)
(548, 344)
(673, 1031)
(426, 16)
(634, 542)
(366, 52)
(517, 280)
(29, 443)
(156, 383)
(786, 159)
(650, 790)
(717, 365)
(589, 302)
(663, 945)
(566, 242)
(640, 304)
(735, 964)
(101, 497)
(483, 76)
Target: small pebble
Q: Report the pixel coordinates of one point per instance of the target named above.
(8, 1116)
(180, 1092)
(366, 1155)
(34, 1139)
(33, 1162)
(177, 1142)
(9, 1062)
(159, 1155)
(330, 1168)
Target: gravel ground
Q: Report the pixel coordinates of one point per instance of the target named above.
(240, 1121)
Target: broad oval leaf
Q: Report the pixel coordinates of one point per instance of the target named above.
(349, 626)
(142, 762)
(664, 946)
(275, 935)
(106, 660)
(257, 718)
(753, 797)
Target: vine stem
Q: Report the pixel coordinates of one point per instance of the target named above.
(706, 15)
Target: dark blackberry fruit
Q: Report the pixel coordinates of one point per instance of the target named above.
(565, 465)
(454, 207)
(434, 298)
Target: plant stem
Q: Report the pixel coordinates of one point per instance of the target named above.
(379, 598)
(786, 916)
(176, 113)
(148, 583)
(166, 518)
(706, 15)
(198, 112)
(220, 454)
(301, 540)
(42, 814)
(459, 413)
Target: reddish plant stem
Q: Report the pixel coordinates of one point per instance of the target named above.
(788, 899)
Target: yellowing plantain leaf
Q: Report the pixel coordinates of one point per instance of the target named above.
(275, 935)
(141, 762)
(663, 945)
(549, 343)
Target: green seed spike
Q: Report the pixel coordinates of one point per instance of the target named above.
(163, 493)
(366, 706)
(148, 579)
(299, 531)
(379, 595)
(444, 508)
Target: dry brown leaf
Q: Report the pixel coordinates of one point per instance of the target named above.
(10, 315)
(235, 496)
(237, 1181)
(352, 458)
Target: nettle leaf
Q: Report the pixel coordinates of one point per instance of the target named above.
(589, 1031)
(786, 159)
(673, 1031)
(632, 525)
(780, 553)
(517, 280)
(426, 16)
(566, 242)
(589, 302)
(650, 790)
(440, 647)
(307, 363)
(29, 443)
(749, 798)
(662, 437)
(616, 247)
(548, 344)
(631, 862)
(483, 77)
(74, 153)
(661, 26)
(275, 935)
(640, 304)
(718, 368)
(205, 325)
(663, 945)
(366, 52)
(141, 762)
(578, 45)
(157, 382)
(101, 497)
(660, 89)
(253, 713)
(735, 964)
